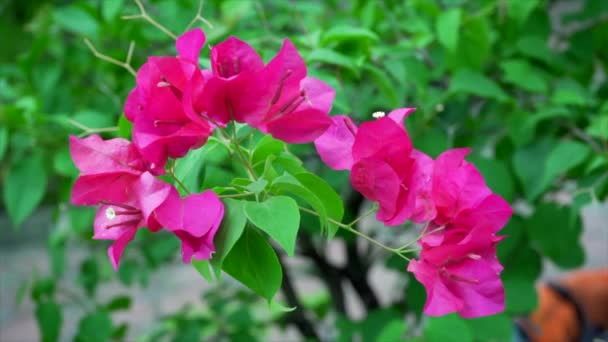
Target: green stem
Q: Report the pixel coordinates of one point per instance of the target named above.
(245, 194)
(358, 233)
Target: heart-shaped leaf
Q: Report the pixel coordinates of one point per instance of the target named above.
(279, 217)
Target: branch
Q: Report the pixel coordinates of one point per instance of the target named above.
(199, 17)
(298, 316)
(126, 64)
(355, 270)
(144, 15)
(330, 274)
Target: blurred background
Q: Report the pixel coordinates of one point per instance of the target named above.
(523, 82)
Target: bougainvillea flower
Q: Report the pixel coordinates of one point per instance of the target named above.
(172, 72)
(120, 220)
(461, 274)
(107, 168)
(492, 213)
(336, 144)
(383, 169)
(165, 131)
(422, 186)
(194, 220)
(162, 128)
(277, 98)
(457, 184)
(231, 93)
(303, 117)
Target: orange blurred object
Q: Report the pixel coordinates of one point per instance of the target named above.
(572, 309)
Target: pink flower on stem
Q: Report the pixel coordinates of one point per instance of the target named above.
(461, 273)
(277, 98)
(194, 220)
(336, 144)
(162, 126)
(457, 184)
(107, 168)
(384, 165)
(120, 220)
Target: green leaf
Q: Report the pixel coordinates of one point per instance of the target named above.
(519, 10)
(529, 165)
(565, 155)
(24, 187)
(124, 127)
(258, 186)
(111, 8)
(570, 92)
(279, 217)
(3, 141)
(495, 328)
(521, 74)
(497, 176)
(535, 47)
(188, 168)
(340, 34)
(447, 328)
(230, 231)
(76, 20)
(597, 128)
(332, 203)
(95, 327)
(254, 263)
(50, 318)
(383, 325)
(327, 56)
(267, 146)
(448, 27)
(119, 303)
(384, 84)
(472, 82)
(551, 230)
(202, 266)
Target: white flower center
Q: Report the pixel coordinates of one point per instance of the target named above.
(474, 256)
(378, 115)
(110, 213)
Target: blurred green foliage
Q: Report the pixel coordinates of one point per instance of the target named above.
(521, 81)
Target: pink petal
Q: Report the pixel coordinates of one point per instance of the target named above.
(377, 181)
(303, 126)
(319, 95)
(150, 192)
(398, 115)
(493, 213)
(117, 248)
(381, 138)
(484, 298)
(421, 186)
(182, 216)
(439, 299)
(336, 144)
(112, 186)
(233, 56)
(189, 45)
(171, 70)
(283, 75)
(115, 230)
(94, 155)
(457, 184)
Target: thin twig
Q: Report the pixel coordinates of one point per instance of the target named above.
(111, 60)
(144, 15)
(199, 17)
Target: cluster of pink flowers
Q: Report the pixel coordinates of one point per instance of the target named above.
(458, 264)
(174, 108)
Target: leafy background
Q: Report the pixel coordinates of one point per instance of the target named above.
(523, 82)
